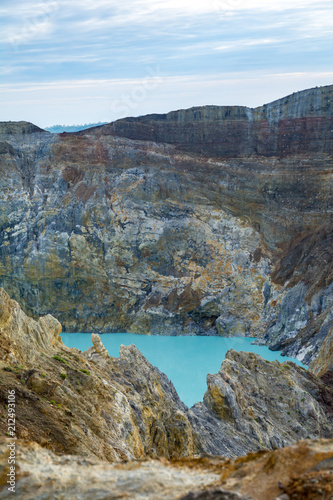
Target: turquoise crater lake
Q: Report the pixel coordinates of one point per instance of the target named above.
(185, 360)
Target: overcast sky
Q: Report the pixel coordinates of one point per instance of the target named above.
(81, 61)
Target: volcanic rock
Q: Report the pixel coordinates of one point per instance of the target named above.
(117, 408)
(209, 221)
(303, 471)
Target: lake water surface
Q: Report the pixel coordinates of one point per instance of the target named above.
(185, 360)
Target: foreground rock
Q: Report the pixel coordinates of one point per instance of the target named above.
(115, 408)
(121, 408)
(274, 403)
(301, 472)
(21, 337)
(213, 220)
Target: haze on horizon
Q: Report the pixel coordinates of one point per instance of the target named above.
(81, 61)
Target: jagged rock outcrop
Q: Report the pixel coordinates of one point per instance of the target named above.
(22, 338)
(98, 345)
(123, 408)
(276, 404)
(117, 408)
(301, 472)
(221, 227)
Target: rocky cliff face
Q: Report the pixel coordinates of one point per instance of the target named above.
(299, 123)
(268, 401)
(124, 408)
(106, 407)
(213, 220)
(23, 338)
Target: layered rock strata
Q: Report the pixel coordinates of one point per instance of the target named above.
(273, 403)
(297, 124)
(213, 220)
(322, 365)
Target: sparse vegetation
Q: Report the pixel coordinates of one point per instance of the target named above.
(63, 375)
(87, 372)
(59, 358)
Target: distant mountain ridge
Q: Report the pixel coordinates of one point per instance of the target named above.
(57, 129)
(295, 124)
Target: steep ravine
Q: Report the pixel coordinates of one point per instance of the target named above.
(213, 220)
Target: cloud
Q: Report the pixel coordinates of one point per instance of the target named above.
(85, 51)
(248, 43)
(192, 7)
(100, 14)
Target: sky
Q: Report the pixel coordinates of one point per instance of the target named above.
(85, 61)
